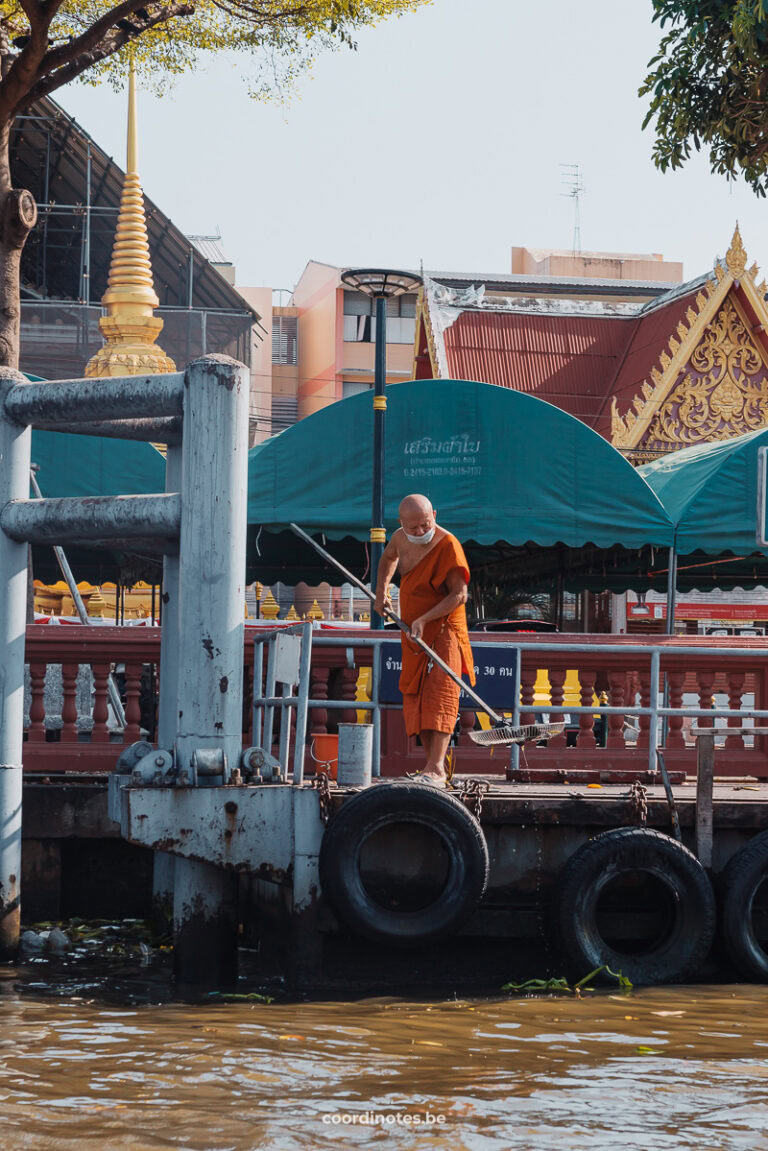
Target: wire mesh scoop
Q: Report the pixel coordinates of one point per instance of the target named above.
(528, 733)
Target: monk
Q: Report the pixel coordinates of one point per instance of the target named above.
(434, 577)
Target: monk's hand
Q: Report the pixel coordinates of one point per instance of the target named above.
(417, 629)
(383, 603)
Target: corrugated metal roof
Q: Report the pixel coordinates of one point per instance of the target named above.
(569, 361)
(562, 284)
(649, 338)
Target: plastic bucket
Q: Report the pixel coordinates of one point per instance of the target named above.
(324, 751)
(355, 754)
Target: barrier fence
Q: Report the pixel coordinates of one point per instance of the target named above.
(70, 728)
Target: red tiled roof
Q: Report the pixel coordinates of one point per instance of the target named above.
(570, 361)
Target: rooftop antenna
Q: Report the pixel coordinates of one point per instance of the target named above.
(574, 187)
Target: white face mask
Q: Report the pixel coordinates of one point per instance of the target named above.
(425, 539)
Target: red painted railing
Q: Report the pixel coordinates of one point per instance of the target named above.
(623, 676)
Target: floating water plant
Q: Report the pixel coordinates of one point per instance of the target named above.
(239, 997)
(539, 986)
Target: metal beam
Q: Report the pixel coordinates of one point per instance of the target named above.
(67, 400)
(160, 431)
(96, 518)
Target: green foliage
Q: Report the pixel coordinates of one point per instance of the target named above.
(708, 86)
(52, 42)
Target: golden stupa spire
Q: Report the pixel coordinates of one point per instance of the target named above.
(130, 327)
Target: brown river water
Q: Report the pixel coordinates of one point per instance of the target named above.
(100, 1065)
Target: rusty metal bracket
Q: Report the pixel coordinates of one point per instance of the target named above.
(260, 766)
(131, 755)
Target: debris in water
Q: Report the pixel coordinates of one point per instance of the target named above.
(58, 942)
(538, 986)
(31, 943)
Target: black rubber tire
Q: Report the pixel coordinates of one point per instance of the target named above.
(385, 805)
(688, 939)
(740, 881)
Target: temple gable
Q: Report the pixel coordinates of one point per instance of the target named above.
(713, 383)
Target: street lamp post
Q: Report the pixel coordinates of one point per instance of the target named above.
(381, 284)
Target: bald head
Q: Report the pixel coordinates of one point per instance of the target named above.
(415, 505)
(417, 517)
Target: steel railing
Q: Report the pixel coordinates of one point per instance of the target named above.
(655, 711)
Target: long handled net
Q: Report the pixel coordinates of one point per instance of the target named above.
(528, 733)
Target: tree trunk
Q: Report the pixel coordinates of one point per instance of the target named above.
(18, 216)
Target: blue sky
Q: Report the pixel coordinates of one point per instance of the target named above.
(439, 140)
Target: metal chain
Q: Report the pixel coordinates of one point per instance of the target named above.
(638, 800)
(324, 795)
(472, 792)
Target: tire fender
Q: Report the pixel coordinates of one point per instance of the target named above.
(691, 927)
(742, 877)
(387, 805)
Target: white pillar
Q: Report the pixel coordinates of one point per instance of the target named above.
(15, 459)
(619, 614)
(211, 638)
(212, 559)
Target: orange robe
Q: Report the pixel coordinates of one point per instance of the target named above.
(430, 698)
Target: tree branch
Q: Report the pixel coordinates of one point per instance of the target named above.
(25, 67)
(109, 46)
(89, 39)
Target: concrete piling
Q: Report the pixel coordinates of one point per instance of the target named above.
(204, 925)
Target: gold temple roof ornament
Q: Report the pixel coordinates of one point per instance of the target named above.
(710, 382)
(130, 327)
(270, 608)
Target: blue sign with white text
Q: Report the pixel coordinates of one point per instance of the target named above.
(495, 671)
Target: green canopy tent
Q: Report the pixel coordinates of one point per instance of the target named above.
(713, 496)
(516, 479)
(72, 465)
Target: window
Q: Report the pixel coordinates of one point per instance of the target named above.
(353, 388)
(360, 319)
(357, 304)
(285, 340)
(285, 412)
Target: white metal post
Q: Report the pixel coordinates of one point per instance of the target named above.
(169, 642)
(164, 864)
(212, 559)
(15, 459)
(211, 639)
